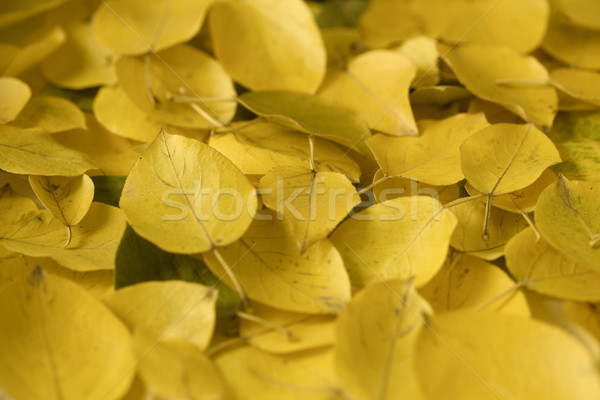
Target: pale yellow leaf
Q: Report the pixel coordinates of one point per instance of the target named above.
(580, 84)
(504, 76)
(518, 24)
(81, 62)
(111, 154)
(375, 86)
(14, 95)
(503, 158)
(51, 114)
(287, 332)
(387, 188)
(543, 269)
(312, 203)
(251, 373)
(16, 266)
(469, 238)
(31, 54)
(434, 156)
(167, 310)
(67, 198)
(137, 26)
(561, 38)
(386, 22)
(60, 343)
(567, 217)
(94, 240)
(401, 238)
(423, 53)
(376, 338)
(472, 355)
(117, 113)
(174, 369)
(267, 264)
(268, 44)
(171, 86)
(186, 197)
(523, 199)
(31, 151)
(469, 282)
(257, 147)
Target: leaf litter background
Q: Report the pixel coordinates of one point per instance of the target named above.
(462, 259)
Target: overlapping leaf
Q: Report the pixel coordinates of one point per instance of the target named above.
(186, 197)
(400, 238)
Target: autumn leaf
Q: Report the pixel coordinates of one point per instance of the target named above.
(174, 215)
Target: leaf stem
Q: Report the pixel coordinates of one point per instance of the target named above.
(503, 293)
(69, 234)
(234, 279)
(279, 328)
(486, 221)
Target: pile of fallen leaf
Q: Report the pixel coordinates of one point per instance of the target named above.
(279, 199)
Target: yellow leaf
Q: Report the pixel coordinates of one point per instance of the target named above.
(14, 95)
(503, 158)
(580, 84)
(494, 112)
(567, 218)
(250, 372)
(487, 21)
(176, 369)
(89, 64)
(468, 236)
(434, 156)
(402, 238)
(291, 332)
(581, 12)
(13, 205)
(561, 36)
(523, 199)
(376, 337)
(177, 310)
(32, 53)
(268, 44)
(340, 45)
(48, 327)
(423, 53)
(267, 264)
(387, 188)
(111, 154)
(308, 113)
(469, 282)
(17, 266)
(443, 95)
(94, 240)
(375, 86)
(12, 13)
(504, 76)
(471, 355)
(585, 314)
(117, 113)
(541, 268)
(260, 146)
(186, 197)
(385, 22)
(136, 26)
(312, 203)
(171, 87)
(51, 114)
(31, 151)
(68, 199)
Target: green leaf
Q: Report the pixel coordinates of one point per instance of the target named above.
(108, 189)
(138, 261)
